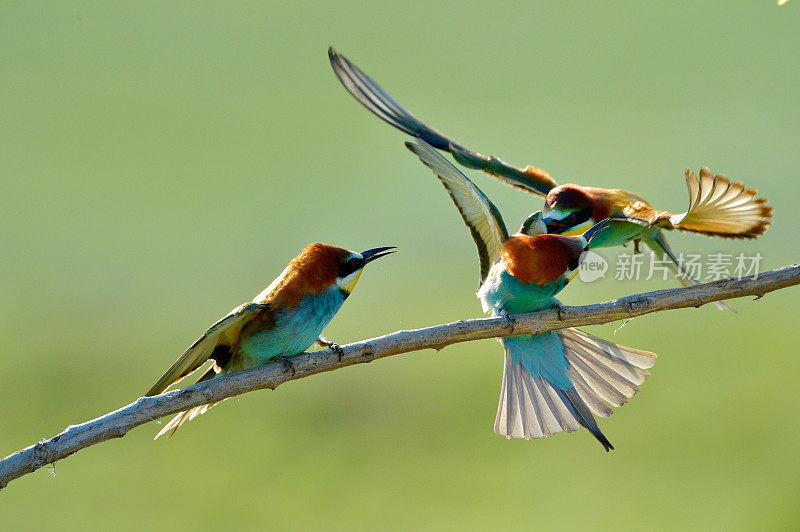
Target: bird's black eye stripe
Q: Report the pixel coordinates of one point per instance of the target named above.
(349, 266)
(577, 218)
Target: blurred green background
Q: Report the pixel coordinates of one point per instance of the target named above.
(160, 164)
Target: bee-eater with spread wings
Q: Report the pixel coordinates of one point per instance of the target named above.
(282, 321)
(717, 206)
(553, 381)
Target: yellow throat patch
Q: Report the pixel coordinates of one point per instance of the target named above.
(348, 283)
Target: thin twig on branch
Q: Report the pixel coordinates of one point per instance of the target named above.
(116, 424)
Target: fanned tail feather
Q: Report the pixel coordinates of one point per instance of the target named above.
(719, 207)
(542, 395)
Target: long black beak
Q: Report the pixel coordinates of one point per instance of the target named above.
(376, 253)
(596, 229)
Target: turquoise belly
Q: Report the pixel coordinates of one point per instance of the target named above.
(295, 329)
(502, 291)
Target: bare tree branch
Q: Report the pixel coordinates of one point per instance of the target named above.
(116, 424)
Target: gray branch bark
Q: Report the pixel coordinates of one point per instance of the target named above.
(117, 423)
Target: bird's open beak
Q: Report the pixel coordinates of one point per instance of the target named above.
(376, 253)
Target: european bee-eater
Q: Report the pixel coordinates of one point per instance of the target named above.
(282, 321)
(553, 381)
(717, 207)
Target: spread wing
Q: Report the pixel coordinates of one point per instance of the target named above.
(374, 98)
(481, 216)
(202, 349)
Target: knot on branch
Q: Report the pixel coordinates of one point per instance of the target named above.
(368, 355)
(40, 454)
(723, 284)
(638, 303)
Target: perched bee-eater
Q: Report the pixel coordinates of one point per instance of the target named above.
(717, 207)
(553, 381)
(282, 321)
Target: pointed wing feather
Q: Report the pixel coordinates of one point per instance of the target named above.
(481, 216)
(203, 347)
(374, 98)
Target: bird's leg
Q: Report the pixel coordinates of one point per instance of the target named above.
(287, 364)
(333, 346)
(507, 317)
(636, 245)
(558, 308)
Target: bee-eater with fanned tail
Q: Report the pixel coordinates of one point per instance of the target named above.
(554, 381)
(717, 206)
(282, 321)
